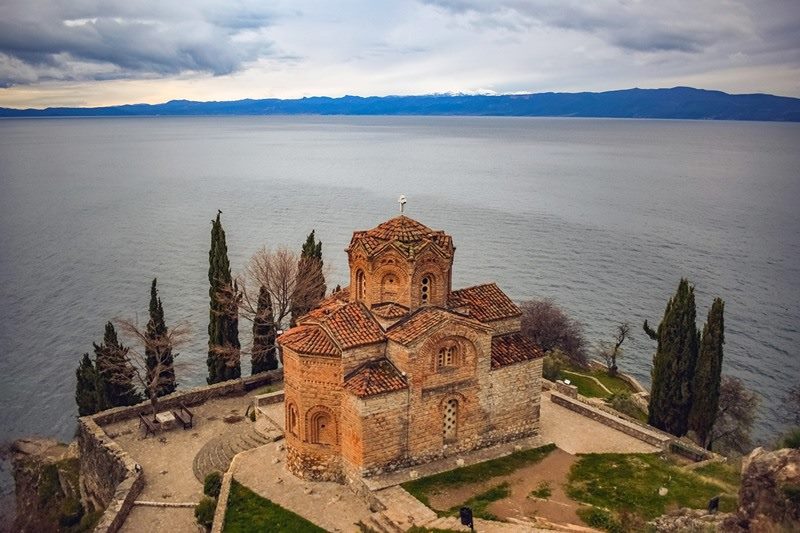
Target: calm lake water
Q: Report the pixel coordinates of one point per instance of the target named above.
(604, 216)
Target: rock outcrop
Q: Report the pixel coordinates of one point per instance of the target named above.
(769, 498)
(46, 477)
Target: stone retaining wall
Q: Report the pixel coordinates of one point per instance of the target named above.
(110, 477)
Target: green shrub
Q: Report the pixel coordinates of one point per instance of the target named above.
(543, 491)
(600, 519)
(552, 365)
(212, 484)
(791, 439)
(623, 402)
(204, 512)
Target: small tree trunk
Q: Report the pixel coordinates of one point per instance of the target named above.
(613, 369)
(154, 402)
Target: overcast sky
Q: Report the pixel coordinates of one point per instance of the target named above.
(93, 52)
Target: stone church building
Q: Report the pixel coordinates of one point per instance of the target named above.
(399, 369)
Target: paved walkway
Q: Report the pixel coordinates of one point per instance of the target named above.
(575, 433)
(331, 506)
(216, 455)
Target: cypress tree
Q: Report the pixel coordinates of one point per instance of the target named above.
(223, 325)
(115, 384)
(674, 363)
(157, 349)
(264, 332)
(705, 388)
(310, 285)
(86, 394)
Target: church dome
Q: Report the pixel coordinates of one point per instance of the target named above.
(406, 233)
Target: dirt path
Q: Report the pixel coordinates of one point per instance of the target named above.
(552, 470)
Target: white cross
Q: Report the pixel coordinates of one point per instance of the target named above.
(402, 202)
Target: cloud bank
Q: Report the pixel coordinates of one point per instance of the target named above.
(99, 52)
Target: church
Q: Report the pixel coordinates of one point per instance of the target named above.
(399, 369)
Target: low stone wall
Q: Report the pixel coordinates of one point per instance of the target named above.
(269, 398)
(649, 435)
(566, 390)
(109, 476)
(193, 396)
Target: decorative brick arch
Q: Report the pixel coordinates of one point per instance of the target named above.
(321, 426)
(464, 340)
(292, 419)
(392, 284)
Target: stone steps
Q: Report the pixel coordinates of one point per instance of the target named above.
(217, 453)
(380, 523)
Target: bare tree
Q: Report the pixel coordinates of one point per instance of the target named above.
(610, 351)
(279, 272)
(549, 326)
(735, 416)
(153, 378)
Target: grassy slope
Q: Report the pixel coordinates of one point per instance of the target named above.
(422, 488)
(249, 513)
(630, 482)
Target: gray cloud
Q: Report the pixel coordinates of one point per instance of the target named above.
(85, 40)
(665, 26)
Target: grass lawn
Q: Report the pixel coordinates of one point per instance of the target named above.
(250, 513)
(629, 483)
(586, 386)
(422, 488)
(721, 472)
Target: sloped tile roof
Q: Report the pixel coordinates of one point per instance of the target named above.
(309, 340)
(327, 306)
(422, 320)
(351, 325)
(375, 377)
(389, 310)
(513, 348)
(408, 235)
(485, 302)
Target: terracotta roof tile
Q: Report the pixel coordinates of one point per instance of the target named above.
(422, 320)
(513, 348)
(327, 306)
(406, 233)
(485, 302)
(351, 325)
(389, 310)
(375, 377)
(309, 340)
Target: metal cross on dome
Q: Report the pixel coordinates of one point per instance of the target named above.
(402, 202)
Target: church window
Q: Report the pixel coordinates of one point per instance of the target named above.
(450, 421)
(425, 290)
(361, 285)
(389, 288)
(447, 356)
(321, 428)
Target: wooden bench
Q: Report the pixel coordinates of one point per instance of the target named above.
(149, 425)
(184, 416)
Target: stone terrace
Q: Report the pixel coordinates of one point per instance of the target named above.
(169, 462)
(175, 460)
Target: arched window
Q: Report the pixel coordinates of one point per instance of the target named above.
(321, 428)
(292, 419)
(361, 284)
(450, 420)
(389, 288)
(426, 287)
(447, 356)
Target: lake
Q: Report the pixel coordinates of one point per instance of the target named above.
(603, 216)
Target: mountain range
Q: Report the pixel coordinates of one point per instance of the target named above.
(674, 103)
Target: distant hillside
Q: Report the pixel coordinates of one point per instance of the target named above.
(675, 103)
